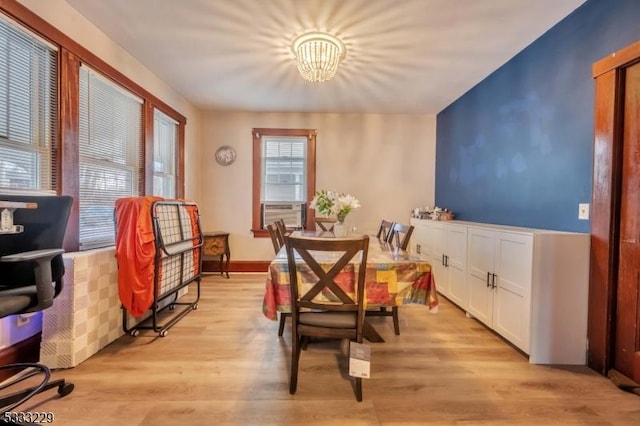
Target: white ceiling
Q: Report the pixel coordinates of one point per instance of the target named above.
(403, 56)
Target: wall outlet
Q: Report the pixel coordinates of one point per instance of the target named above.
(583, 211)
(22, 320)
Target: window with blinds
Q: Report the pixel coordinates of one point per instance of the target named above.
(284, 160)
(165, 139)
(28, 110)
(111, 155)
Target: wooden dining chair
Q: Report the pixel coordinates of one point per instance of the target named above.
(399, 235)
(277, 239)
(384, 229)
(322, 307)
(282, 228)
(325, 223)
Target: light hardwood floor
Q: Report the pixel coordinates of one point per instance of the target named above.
(223, 364)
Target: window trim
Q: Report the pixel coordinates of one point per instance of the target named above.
(257, 134)
(71, 54)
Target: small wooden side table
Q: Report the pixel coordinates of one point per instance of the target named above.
(216, 247)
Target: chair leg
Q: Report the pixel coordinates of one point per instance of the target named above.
(396, 320)
(283, 318)
(10, 401)
(295, 360)
(359, 389)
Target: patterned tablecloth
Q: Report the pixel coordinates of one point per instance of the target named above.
(394, 277)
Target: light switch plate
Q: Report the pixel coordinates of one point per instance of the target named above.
(583, 211)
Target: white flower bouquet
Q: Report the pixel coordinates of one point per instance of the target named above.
(332, 203)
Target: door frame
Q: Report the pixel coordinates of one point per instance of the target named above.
(607, 173)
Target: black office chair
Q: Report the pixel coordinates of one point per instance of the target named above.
(31, 272)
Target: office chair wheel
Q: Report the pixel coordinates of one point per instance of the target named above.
(172, 307)
(134, 333)
(65, 389)
(163, 333)
(195, 306)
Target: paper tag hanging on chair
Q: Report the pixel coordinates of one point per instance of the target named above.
(359, 360)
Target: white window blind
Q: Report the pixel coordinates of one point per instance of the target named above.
(165, 139)
(111, 155)
(284, 172)
(28, 110)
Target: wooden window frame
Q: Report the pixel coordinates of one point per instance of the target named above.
(71, 55)
(257, 133)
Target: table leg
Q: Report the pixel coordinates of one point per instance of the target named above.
(226, 267)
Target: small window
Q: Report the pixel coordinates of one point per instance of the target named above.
(28, 110)
(284, 165)
(284, 177)
(165, 142)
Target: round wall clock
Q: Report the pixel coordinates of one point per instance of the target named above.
(225, 155)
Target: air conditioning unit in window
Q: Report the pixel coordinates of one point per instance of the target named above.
(291, 213)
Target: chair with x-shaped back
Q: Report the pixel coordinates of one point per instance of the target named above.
(277, 239)
(384, 230)
(399, 236)
(324, 307)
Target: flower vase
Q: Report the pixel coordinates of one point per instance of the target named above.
(339, 229)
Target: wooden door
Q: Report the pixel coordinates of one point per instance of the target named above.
(626, 345)
(614, 275)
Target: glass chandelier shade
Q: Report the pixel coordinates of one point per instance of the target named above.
(318, 55)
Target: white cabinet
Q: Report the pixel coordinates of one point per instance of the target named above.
(499, 282)
(444, 245)
(528, 285)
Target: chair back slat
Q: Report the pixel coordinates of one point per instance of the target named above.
(384, 230)
(400, 235)
(325, 275)
(276, 240)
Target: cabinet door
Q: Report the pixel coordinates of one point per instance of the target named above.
(512, 295)
(418, 238)
(436, 246)
(480, 252)
(456, 261)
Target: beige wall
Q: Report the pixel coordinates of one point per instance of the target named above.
(386, 161)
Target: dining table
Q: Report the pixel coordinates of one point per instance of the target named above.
(394, 277)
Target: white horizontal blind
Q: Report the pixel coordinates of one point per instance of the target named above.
(28, 110)
(165, 140)
(284, 171)
(111, 155)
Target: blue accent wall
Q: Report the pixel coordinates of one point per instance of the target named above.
(517, 149)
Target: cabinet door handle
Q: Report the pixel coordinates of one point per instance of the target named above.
(444, 262)
(493, 281)
(488, 278)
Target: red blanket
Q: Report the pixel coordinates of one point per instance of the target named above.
(135, 253)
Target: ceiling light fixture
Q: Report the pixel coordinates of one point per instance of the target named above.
(318, 55)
